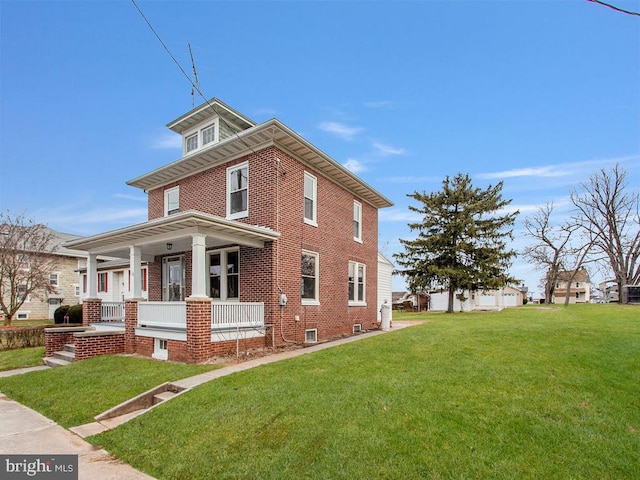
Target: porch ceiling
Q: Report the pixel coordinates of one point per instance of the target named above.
(272, 132)
(153, 236)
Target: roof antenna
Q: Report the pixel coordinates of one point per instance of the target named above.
(194, 87)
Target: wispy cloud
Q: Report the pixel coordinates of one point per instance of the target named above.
(356, 166)
(135, 198)
(558, 170)
(378, 104)
(84, 221)
(398, 215)
(168, 140)
(340, 129)
(544, 172)
(386, 150)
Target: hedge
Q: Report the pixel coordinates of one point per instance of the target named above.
(23, 337)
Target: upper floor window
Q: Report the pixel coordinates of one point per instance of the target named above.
(238, 191)
(54, 279)
(171, 201)
(310, 199)
(191, 143)
(357, 221)
(201, 137)
(357, 283)
(309, 278)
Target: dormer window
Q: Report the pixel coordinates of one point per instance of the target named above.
(191, 143)
(201, 137)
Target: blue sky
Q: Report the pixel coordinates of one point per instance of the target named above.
(538, 94)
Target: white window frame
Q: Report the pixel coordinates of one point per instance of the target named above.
(170, 192)
(314, 198)
(224, 273)
(160, 349)
(76, 289)
(22, 315)
(311, 335)
(230, 171)
(357, 301)
(215, 139)
(316, 299)
(357, 217)
(56, 282)
(106, 282)
(186, 143)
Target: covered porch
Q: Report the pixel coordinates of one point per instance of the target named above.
(192, 302)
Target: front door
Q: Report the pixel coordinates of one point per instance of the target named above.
(173, 279)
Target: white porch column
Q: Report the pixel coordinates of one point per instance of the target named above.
(92, 275)
(135, 270)
(198, 266)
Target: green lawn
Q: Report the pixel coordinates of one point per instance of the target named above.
(74, 394)
(21, 357)
(526, 393)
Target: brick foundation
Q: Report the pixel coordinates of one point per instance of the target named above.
(92, 344)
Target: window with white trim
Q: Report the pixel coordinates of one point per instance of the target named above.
(309, 281)
(103, 282)
(357, 283)
(224, 274)
(310, 199)
(199, 137)
(191, 143)
(76, 290)
(357, 221)
(160, 349)
(238, 191)
(171, 201)
(311, 335)
(208, 134)
(54, 279)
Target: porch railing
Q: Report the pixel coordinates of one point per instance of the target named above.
(227, 315)
(112, 311)
(163, 314)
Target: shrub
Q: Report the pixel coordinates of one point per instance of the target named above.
(75, 314)
(22, 338)
(61, 311)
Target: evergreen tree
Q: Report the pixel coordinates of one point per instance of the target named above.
(462, 239)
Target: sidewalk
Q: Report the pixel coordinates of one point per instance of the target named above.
(25, 431)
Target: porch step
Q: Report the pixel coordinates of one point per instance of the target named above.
(62, 357)
(55, 362)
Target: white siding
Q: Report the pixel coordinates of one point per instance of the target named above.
(385, 272)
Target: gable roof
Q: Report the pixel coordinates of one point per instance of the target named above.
(257, 137)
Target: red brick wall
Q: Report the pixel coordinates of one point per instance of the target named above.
(56, 338)
(277, 180)
(91, 310)
(92, 344)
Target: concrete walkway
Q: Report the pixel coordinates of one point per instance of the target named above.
(25, 431)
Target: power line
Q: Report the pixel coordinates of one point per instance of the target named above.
(194, 86)
(613, 7)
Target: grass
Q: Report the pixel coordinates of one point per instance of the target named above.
(525, 393)
(22, 357)
(74, 394)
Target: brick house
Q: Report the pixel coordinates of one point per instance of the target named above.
(254, 236)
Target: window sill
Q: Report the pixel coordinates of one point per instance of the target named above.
(357, 304)
(310, 222)
(310, 302)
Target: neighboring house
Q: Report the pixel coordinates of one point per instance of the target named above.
(254, 234)
(114, 281)
(577, 282)
(479, 300)
(609, 289)
(63, 281)
(385, 276)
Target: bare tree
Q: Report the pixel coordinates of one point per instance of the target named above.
(610, 215)
(555, 250)
(26, 260)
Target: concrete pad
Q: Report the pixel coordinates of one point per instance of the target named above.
(24, 431)
(89, 429)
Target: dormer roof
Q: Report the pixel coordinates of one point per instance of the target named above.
(211, 108)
